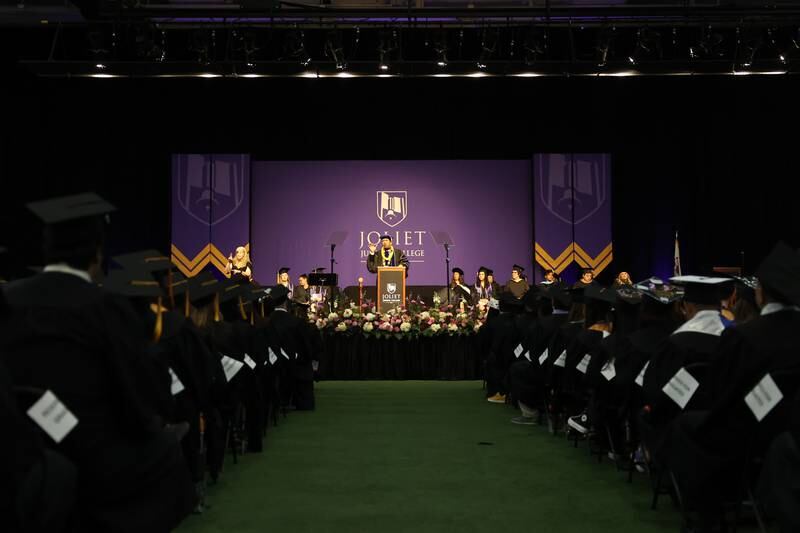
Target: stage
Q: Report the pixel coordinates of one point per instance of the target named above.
(355, 357)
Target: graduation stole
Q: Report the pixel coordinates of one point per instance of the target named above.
(388, 259)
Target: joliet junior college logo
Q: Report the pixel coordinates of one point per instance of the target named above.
(391, 288)
(392, 207)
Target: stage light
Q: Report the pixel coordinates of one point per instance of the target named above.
(335, 51)
(604, 45)
(388, 44)
(488, 46)
(296, 48)
(100, 66)
(535, 46)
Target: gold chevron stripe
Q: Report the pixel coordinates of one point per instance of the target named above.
(602, 266)
(201, 255)
(558, 268)
(558, 260)
(588, 259)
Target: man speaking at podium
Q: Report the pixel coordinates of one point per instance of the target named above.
(388, 256)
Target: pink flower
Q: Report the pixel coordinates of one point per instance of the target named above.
(396, 329)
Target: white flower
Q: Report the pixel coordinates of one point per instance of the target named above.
(452, 327)
(370, 317)
(341, 327)
(477, 327)
(405, 327)
(368, 327)
(348, 313)
(435, 327)
(320, 323)
(441, 319)
(424, 315)
(333, 316)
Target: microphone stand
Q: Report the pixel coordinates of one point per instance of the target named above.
(447, 271)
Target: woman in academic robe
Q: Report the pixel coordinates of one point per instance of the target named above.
(239, 264)
(483, 289)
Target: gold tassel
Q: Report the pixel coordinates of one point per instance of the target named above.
(216, 307)
(241, 309)
(263, 314)
(159, 329)
(170, 290)
(186, 307)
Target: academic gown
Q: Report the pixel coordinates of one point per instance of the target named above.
(297, 375)
(377, 260)
(75, 339)
(704, 449)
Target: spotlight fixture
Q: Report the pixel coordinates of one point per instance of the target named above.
(488, 46)
(296, 48)
(335, 51)
(604, 45)
(388, 44)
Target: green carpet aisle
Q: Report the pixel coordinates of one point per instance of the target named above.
(405, 456)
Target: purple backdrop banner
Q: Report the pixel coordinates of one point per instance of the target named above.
(484, 206)
(572, 210)
(210, 209)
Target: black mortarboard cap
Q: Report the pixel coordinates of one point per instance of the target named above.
(72, 222)
(278, 294)
(484, 270)
(69, 208)
(386, 237)
(489, 272)
(132, 284)
(318, 270)
(179, 283)
(518, 268)
(701, 290)
(283, 270)
(229, 289)
(655, 289)
(598, 293)
(144, 260)
(202, 287)
(780, 272)
(456, 269)
(252, 292)
(629, 295)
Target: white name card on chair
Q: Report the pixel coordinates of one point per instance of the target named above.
(249, 361)
(544, 356)
(283, 353)
(681, 387)
(640, 377)
(609, 371)
(518, 350)
(177, 384)
(562, 360)
(231, 367)
(53, 416)
(583, 365)
(273, 358)
(528, 355)
(764, 397)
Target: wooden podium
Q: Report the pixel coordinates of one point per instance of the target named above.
(391, 290)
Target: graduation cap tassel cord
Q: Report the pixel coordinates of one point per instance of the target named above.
(186, 305)
(216, 307)
(242, 311)
(159, 328)
(170, 290)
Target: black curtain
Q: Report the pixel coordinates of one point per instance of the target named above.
(704, 155)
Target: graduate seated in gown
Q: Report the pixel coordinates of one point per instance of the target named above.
(67, 335)
(517, 285)
(756, 375)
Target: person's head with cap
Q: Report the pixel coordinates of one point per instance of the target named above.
(480, 279)
(745, 307)
(779, 277)
(458, 276)
(74, 230)
(490, 275)
(279, 295)
(386, 241)
(516, 272)
(700, 293)
(283, 275)
(587, 275)
(144, 293)
(550, 276)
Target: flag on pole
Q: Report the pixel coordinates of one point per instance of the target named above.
(676, 267)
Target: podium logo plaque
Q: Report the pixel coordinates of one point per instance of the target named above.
(391, 288)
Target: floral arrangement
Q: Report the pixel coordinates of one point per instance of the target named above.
(415, 319)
